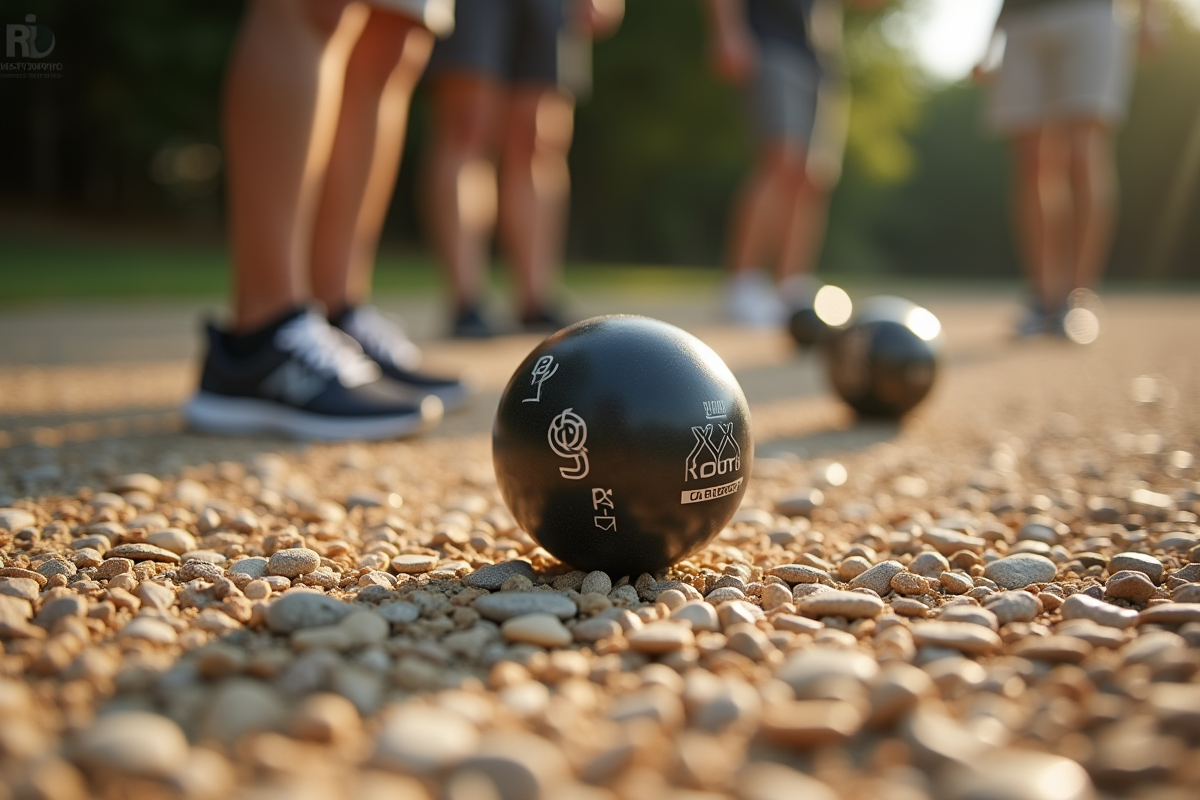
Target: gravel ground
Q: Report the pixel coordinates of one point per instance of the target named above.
(997, 600)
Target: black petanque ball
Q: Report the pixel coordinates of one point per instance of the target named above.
(885, 361)
(807, 328)
(622, 444)
(816, 324)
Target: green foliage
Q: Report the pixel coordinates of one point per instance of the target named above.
(886, 104)
(660, 146)
(659, 153)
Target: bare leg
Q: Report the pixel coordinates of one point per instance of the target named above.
(1093, 188)
(460, 181)
(534, 188)
(757, 221)
(283, 92)
(386, 63)
(804, 226)
(1044, 214)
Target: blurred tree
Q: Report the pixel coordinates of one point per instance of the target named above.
(129, 130)
(662, 144)
(137, 76)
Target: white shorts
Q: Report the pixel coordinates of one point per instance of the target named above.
(1062, 61)
(437, 15)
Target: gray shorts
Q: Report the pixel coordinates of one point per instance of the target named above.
(512, 41)
(1062, 61)
(436, 15)
(793, 100)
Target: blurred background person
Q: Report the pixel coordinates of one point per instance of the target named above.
(315, 109)
(787, 54)
(502, 125)
(1060, 90)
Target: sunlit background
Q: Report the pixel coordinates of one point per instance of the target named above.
(112, 174)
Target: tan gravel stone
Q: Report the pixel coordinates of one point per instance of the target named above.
(143, 552)
(851, 605)
(800, 573)
(1018, 775)
(133, 743)
(768, 781)
(293, 562)
(805, 724)
(544, 630)
(414, 564)
(1082, 606)
(18, 572)
(520, 766)
(1059, 649)
(176, 540)
(505, 605)
(962, 636)
(1170, 614)
(14, 519)
(595, 629)
(660, 637)
(423, 739)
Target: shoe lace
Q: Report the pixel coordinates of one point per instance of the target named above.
(382, 338)
(327, 350)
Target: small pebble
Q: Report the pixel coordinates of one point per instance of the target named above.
(293, 562)
(878, 578)
(505, 605)
(1018, 571)
(1014, 606)
(133, 743)
(1137, 562)
(961, 636)
(1129, 585)
(141, 551)
(660, 637)
(544, 630)
(834, 603)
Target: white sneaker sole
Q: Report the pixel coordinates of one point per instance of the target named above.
(214, 413)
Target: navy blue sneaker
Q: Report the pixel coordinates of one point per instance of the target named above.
(308, 381)
(543, 320)
(1034, 321)
(469, 323)
(384, 341)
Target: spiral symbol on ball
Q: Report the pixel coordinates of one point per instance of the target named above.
(567, 435)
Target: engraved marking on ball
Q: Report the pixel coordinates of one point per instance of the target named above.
(542, 370)
(567, 435)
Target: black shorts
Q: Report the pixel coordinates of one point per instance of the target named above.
(511, 41)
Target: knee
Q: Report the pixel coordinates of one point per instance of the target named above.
(540, 129)
(321, 16)
(787, 163)
(1091, 160)
(391, 43)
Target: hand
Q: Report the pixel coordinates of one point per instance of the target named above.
(734, 56)
(981, 74)
(601, 18)
(1152, 30)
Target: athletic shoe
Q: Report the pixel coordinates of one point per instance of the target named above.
(384, 341)
(309, 381)
(1034, 322)
(543, 320)
(750, 300)
(469, 323)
